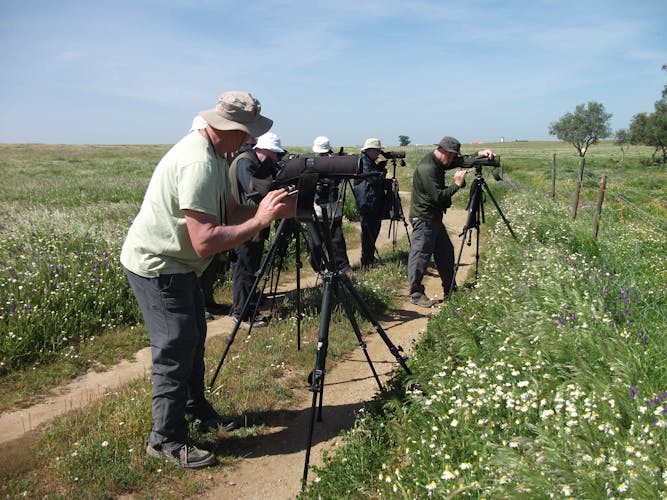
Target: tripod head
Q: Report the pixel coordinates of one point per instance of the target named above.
(475, 206)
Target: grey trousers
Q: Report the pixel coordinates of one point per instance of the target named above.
(429, 237)
(173, 309)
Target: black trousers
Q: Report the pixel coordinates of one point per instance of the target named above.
(370, 229)
(244, 275)
(207, 280)
(317, 250)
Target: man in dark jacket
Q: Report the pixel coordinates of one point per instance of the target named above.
(259, 162)
(329, 199)
(431, 198)
(370, 196)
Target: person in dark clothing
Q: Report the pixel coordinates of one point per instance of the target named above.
(259, 162)
(328, 198)
(431, 198)
(218, 263)
(207, 283)
(370, 197)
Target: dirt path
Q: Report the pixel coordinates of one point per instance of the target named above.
(272, 466)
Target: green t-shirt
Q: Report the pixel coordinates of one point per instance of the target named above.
(190, 176)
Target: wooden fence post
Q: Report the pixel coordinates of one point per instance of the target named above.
(598, 210)
(553, 177)
(577, 191)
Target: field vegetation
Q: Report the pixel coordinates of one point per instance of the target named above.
(546, 378)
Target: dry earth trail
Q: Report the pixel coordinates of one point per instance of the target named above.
(272, 466)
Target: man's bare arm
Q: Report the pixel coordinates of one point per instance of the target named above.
(209, 238)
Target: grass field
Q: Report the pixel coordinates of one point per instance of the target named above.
(546, 379)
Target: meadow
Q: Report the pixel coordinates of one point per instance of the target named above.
(546, 378)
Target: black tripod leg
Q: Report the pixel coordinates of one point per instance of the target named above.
(246, 306)
(495, 203)
(401, 216)
(458, 260)
(476, 254)
(407, 233)
(297, 258)
(357, 332)
(396, 351)
(275, 279)
(255, 294)
(317, 378)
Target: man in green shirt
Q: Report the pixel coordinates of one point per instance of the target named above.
(186, 218)
(431, 198)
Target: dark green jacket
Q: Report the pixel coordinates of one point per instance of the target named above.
(431, 197)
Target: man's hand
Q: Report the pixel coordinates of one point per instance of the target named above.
(460, 177)
(275, 205)
(487, 153)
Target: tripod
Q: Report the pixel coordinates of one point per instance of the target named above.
(296, 231)
(287, 228)
(395, 207)
(475, 210)
(335, 283)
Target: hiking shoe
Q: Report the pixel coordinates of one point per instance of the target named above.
(262, 322)
(216, 422)
(423, 301)
(215, 308)
(345, 270)
(187, 456)
(207, 419)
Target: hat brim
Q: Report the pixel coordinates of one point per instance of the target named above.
(275, 150)
(255, 129)
(457, 153)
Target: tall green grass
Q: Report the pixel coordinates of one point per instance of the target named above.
(63, 216)
(546, 379)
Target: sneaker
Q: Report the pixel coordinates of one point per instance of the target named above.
(258, 323)
(423, 301)
(208, 316)
(187, 456)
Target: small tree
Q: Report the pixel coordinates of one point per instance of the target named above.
(622, 140)
(587, 125)
(403, 140)
(651, 129)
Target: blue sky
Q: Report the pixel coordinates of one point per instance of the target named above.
(137, 71)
